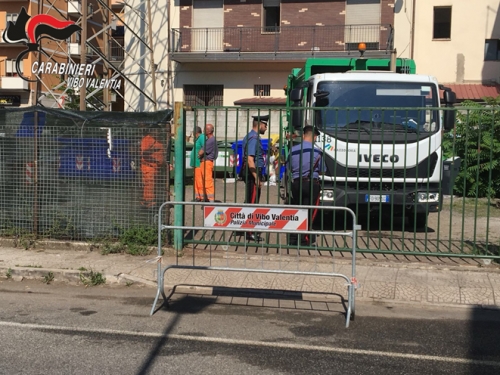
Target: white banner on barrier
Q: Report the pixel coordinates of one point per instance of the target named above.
(259, 218)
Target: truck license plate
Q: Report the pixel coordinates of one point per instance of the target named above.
(377, 198)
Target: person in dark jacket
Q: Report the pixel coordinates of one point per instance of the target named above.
(305, 164)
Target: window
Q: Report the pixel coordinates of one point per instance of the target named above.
(271, 15)
(262, 90)
(11, 17)
(492, 49)
(10, 68)
(203, 95)
(442, 23)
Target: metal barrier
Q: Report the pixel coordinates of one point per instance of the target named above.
(351, 281)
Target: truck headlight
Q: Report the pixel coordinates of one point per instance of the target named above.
(327, 195)
(427, 197)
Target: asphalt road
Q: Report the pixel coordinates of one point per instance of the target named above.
(62, 329)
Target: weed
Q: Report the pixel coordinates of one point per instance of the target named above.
(129, 283)
(62, 228)
(92, 278)
(48, 278)
(82, 269)
(26, 241)
(9, 273)
(136, 240)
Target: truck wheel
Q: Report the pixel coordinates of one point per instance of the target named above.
(418, 220)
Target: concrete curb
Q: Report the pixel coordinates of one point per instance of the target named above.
(86, 246)
(69, 276)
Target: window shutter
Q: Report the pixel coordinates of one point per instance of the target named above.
(358, 14)
(271, 3)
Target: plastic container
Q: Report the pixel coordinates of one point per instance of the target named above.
(238, 153)
(88, 158)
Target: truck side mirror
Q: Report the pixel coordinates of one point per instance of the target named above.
(297, 115)
(450, 97)
(449, 115)
(449, 118)
(296, 95)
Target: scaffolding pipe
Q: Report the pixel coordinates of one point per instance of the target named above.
(83, 53)
(152, 55)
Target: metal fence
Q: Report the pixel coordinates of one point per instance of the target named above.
(286, 262)
(282, 39)
(60, 178)
(76, 175)
(463, 222)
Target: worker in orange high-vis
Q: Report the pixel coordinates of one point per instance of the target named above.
(208, 154)
(199, 142)
(152, 159)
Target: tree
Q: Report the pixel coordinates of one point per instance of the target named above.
(476, 140)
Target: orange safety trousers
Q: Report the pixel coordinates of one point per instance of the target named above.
(205, 182)
(149, 174)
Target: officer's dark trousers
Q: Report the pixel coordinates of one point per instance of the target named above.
(305, 192)
(252, 191)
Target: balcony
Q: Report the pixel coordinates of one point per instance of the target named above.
(117, 49)
(286, 43)
(14, 83)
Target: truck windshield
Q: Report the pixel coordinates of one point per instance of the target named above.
(406, 107)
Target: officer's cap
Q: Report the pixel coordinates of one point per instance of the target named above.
(261, 118)
(310, 128)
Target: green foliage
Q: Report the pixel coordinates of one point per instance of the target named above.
(137, 240)
(48, 278)
(8, 274)
(92, 278)
(476, 140)
(62, 227)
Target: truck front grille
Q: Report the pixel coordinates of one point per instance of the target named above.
(424, 170)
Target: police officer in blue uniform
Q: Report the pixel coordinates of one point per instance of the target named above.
(253, 169)
(305, 166)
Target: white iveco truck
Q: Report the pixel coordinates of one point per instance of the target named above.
(381, 134)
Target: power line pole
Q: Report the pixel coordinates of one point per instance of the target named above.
(83, 54)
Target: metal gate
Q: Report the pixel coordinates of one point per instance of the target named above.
(466, 219)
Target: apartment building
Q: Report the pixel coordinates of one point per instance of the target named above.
(53, 73)
(457, 41)
(227, 52)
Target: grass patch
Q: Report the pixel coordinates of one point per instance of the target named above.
(92, 278)
(8, 274)
(472, 207)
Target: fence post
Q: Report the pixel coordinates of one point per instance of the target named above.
(180, 143)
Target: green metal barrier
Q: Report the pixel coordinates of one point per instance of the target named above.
(463, 222)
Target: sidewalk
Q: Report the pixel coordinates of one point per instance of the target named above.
(429, 284)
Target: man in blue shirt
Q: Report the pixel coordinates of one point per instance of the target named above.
(253, 168)
(305, 165)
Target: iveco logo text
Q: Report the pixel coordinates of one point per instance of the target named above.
(378, 158)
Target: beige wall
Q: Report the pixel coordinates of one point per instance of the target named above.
(238, 79)
(460, 59)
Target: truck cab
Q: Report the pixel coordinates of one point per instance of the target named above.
(381, 136)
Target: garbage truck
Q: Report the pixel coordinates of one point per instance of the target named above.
(381, 130)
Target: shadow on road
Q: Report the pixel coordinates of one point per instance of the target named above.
(484, 332)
